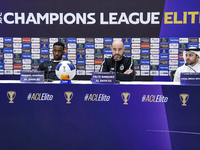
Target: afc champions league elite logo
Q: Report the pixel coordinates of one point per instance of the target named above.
(184, 98)
(11, 96)
(68, 96)
(125, 96)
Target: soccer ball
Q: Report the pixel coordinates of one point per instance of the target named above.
(65, 70)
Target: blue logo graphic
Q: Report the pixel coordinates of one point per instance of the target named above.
(36, 61)
(80, 62)
(108, 40)
(16, 56)
(88, 45)
(126, 40)
(80, 56)
(44, 45)
(26, 45)
(193, 45)
(127, 46)
(80, 45)
(44, 51)
(26, 56)
(173, 40)
(71, 40)
(164, 51)
(64, 56)
(1, 66)
(181, 62)
(144, 62)
(42, 60)
(164, 67)
(8, 50)
(145, 51)
(98, 51)
(63, 40)
(164, 57)
(8, 40)
(107, 51)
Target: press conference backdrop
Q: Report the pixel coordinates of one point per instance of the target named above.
(155, 33)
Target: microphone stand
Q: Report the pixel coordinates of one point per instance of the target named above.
(190, 67)
(49, 69)
(116, 59)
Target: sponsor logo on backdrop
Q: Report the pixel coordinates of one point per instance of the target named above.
(11, 96)
(35, 45)
(35, 40)
(97, 97)
(135, 40)
(173, 45)
(125, 97)
(8, 40)
(44, 40)
(135, 45)
(154, 67)
(98, 40)
(183, 40)
(154, 98)
(154, 62)
(53, 40)
(154, 56)
(8, 55)
(145, 40)
(89, 61)
(89, 51)
(68, 96)
(89, 40)
(80, 40)
(26, 40)
(7, 45)
(193, 40)
(80, 72)
(17, 45)
(135, 51)
(155, 40)
(40, 96)
(154, 45)
(154, 73)
(17, 40)
(184, 98)
(164, 40)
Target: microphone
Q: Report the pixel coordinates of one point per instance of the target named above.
(190, 67)
(49, 69)
(116, 59)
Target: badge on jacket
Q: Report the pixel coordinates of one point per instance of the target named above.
(121, 67)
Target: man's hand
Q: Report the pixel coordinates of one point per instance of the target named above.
(128, 71)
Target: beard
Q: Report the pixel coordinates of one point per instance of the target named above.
(117, 57)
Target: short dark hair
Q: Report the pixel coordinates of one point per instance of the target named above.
(59, 44)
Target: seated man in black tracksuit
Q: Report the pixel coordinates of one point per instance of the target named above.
(49, 66)
(122, 65)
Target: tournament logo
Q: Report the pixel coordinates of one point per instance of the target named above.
(68, 96)
(125, 97)
(184, 98)
(97, 97)
(11, 96)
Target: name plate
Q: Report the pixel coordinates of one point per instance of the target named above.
(103, 77)
(29, 76)
(190, 78)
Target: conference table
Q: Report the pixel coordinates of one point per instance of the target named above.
(86, 116)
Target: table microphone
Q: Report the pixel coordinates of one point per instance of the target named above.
(190, 67)
(49, 69)
(116, 59)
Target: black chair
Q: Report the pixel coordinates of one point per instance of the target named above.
(172, 75)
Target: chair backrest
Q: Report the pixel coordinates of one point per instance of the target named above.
(172, 75)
